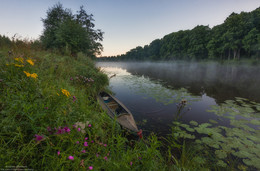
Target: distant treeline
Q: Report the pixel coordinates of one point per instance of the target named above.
(238, 37)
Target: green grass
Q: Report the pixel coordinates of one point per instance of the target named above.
(31, 106)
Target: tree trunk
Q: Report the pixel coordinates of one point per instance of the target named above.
(235, 53)
(238, 53)
(229, 52)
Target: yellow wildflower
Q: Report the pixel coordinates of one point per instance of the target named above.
(30, 61)
(20, 59)
(33, 75)
(58, 94)
(27, 73)
(18, 65)
(65, 92)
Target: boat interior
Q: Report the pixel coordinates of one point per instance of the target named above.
(116, 108)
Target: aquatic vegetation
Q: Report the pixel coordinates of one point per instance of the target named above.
(240, 140)
(157, 90)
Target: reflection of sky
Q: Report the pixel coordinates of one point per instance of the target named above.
(146, 99)
(154, 100)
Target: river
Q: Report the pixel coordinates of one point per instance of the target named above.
(211, 104)
(152, 90)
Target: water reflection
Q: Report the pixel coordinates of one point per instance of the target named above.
(196, 99)
(221, 82)
(155, 101)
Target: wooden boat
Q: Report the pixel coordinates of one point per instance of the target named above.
(116, 110)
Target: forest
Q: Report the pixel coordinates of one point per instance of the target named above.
(238, 37)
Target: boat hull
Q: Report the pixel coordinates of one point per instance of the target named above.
(116, 110)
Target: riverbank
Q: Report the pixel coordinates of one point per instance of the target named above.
(50, 119)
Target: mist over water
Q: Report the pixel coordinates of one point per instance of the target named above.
(219, 81)
(153, 90)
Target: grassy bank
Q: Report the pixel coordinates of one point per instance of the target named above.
(50, 119)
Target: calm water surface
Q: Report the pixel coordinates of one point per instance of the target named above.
(152, 91)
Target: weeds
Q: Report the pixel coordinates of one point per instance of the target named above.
(50, 119)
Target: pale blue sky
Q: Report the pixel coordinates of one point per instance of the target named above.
(126, 23)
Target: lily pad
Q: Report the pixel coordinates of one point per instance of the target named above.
(221, 154)
(213, 121)
(221, 163)
(194, 123)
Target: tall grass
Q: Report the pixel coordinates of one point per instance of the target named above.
(50, 119)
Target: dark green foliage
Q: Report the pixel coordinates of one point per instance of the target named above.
(70, 33)
(5, 41)
(238, 37)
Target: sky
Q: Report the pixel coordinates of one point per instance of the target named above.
(126, 23)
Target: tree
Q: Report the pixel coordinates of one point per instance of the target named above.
(215, 45)
(238, 36)
(154, 49)
(199, 38)
(71, 33)
(238, 25)
(250, 41)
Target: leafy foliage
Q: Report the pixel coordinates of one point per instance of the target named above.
(71, 33)
(238, 36)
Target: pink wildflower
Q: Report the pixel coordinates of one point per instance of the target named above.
(92, 141)
(97, 155)
(89, 125)
(58, 153)
(86, 138)
(71, 158)
(49, 129)
(105, 157)
(67, 129)
(83, 151)
(131, 163)
(90, 167)
(105, 145)
(74, 99)
(38, 137)
(77, 142)
(61, 131)
(85, 144)
(78, 129)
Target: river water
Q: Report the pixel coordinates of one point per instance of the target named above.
(212, 104)
(152, 90)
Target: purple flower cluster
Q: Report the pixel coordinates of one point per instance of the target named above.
(38, 138)
(74, 99)
(61, 130)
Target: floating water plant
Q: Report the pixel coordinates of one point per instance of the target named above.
(157, 90)
(241, 139)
